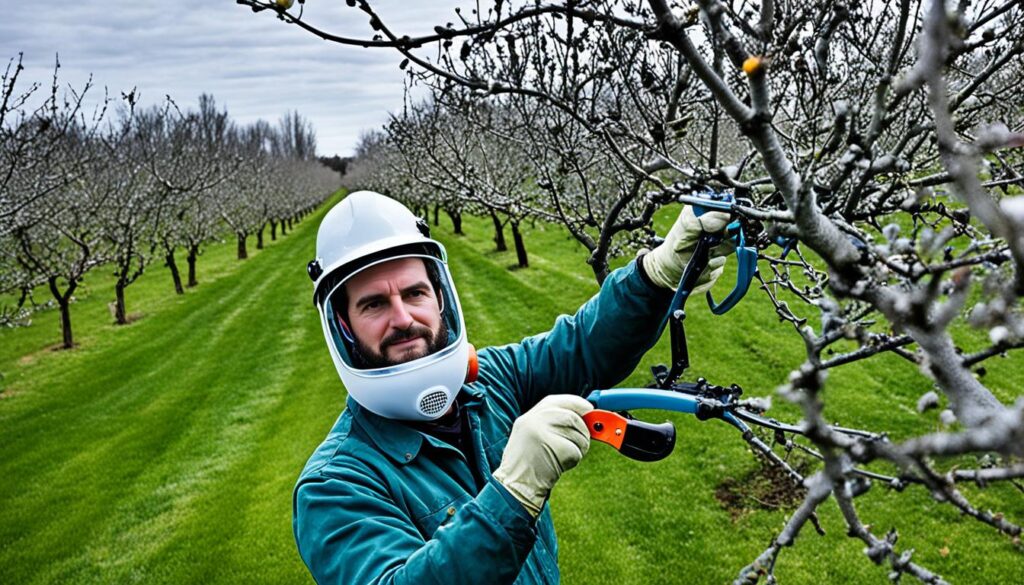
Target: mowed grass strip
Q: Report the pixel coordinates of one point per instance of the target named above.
(165, 451)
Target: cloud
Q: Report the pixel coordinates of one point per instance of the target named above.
(254, 64)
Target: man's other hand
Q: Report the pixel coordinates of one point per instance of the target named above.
(546, 441)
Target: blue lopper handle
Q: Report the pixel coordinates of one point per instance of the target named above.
(630, 398)
(618, 399)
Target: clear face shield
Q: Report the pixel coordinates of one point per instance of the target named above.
(389, 311)
(396, 315)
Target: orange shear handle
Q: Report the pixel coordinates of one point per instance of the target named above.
(606, 426)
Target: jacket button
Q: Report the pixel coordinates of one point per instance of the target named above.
(451, 511)
(408, 456)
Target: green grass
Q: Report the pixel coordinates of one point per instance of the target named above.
(166, 450)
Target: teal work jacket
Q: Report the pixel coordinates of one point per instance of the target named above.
(379, 502)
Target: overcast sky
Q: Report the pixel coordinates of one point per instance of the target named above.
(254, 64)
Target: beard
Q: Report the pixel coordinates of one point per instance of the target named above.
(367, 358)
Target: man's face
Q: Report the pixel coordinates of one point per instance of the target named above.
(394, 313)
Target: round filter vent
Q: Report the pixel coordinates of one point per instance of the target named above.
(432, 402)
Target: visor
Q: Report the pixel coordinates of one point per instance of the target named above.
(426, 294)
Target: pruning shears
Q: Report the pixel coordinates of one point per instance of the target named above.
(633, 438)
(703, 400)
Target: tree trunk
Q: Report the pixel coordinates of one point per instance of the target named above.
(169, 261)
(273, 231)
(242, 252)
(284, 228)
(65, 324)
(600, 268)
(499, 233)
(520, 246)
(456, 221)
(193, 252)
(64, 302)
(437, 211)
(120, 314)
(259, 237)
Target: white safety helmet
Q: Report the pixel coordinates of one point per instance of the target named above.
(364, 230)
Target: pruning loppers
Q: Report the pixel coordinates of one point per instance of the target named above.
(650, 442)
(746, 260)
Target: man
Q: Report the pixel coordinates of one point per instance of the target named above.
(440, 467)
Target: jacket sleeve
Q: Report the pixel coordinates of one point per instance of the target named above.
(349, 530)
(594, 349)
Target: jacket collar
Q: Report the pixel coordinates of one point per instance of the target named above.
(395, 438)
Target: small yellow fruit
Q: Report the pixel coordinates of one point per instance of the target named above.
(286, 4)
(752, 65)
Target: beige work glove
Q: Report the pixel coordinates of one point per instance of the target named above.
(546, 441)
(664, 264)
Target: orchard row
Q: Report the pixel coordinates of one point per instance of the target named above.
(120, 187)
